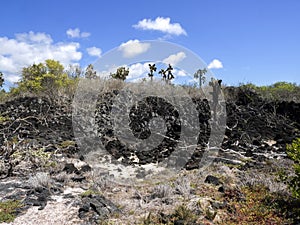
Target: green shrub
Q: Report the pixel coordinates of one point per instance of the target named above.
(8, 210)
(283, 91)
(48, 78)
(121, 73)
(293, 151)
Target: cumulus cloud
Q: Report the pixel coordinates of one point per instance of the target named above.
(94, 51)
(13, 78)
(28, 48)
(215, 64)
(161, 24)
(133, 48)
(75, 33)
(180, 73)
(175, 58)
(137, 70)
(32, 37)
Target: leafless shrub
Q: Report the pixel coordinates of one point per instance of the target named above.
(101, 181)
(162, 191)
(40, 179)
(183, 186)
(63, 177)
(254, 178)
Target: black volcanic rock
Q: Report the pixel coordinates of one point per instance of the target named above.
(251, 121)
(212, 180)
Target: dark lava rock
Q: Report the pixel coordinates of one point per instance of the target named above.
(218, 205)
(70, 168)
(212, 180)
(94, 207)
(37, 197)
(250, 122)
(221, 189)
(85, 168)
(78, 178)
(36, 118)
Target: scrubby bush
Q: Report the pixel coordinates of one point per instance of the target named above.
(284, 91)
(120, 74)
(293, 151)
(49, 78)
(8, 210)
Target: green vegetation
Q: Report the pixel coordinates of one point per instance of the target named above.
(180, 215)
(90, 192)
(47, 78)
(293, 151)
(90, 73)
(120, 74)
(278, 91)
(4, 119)
(67, 143)
(259, 206)
(8, 210)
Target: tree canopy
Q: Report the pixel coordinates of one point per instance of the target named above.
(49, 77)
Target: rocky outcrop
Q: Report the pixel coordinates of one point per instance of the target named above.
(255, 127)
(37, 135)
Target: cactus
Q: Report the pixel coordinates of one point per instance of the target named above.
(152, 69)
(170, 74)
(163, 73)
(201, 75)
(216, 85)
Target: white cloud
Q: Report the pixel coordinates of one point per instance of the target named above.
(180, 73)
(12, 78)
(175, 58)
(138, 69)
(29, 48)
(161, 24)
(133, 48)
(94, 51)
(109, 69)
(85, 34)
(215, 64)
(32, 37)
(75, 33)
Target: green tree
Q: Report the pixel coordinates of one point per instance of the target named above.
(48, 77)
(74, 71)
(201, 75)
(121, 73)
(90, 73)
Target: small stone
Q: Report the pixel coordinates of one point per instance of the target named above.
(85, 168)
(212, 180)
(70, 168)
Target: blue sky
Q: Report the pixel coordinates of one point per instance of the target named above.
(249, 41)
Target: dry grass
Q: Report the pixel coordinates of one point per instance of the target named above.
(40, 179)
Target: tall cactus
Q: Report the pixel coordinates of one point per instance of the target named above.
(152, 69)
(201, 75)
(170, 74)
(163, 73)
(216, 85)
